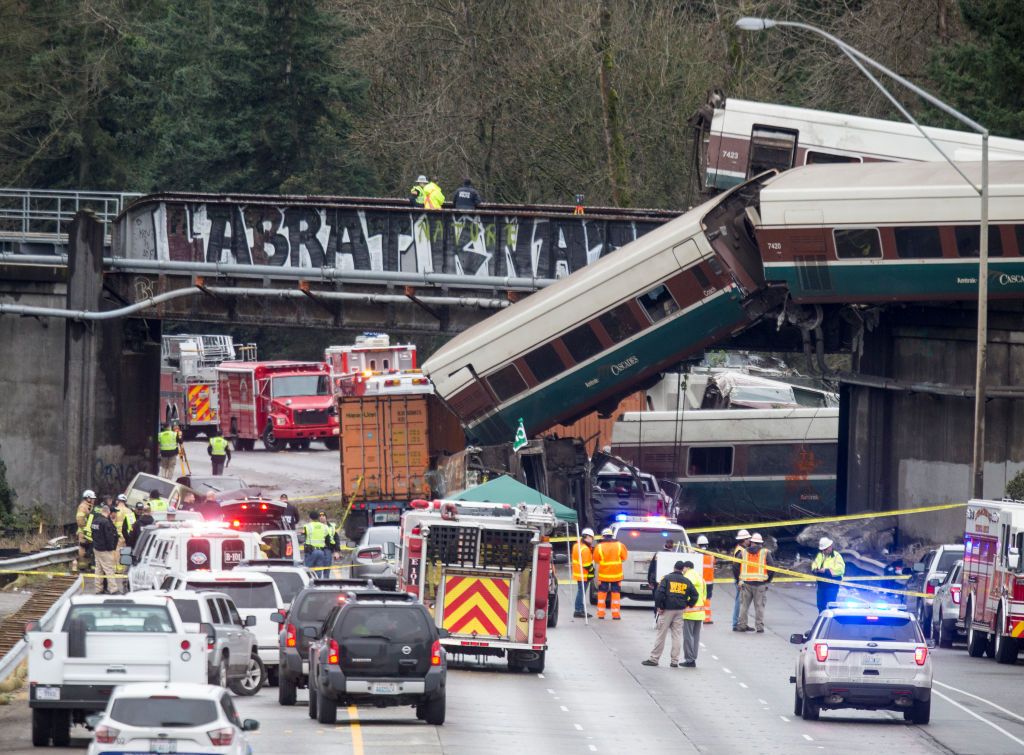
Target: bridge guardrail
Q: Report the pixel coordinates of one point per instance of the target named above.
(44, 216)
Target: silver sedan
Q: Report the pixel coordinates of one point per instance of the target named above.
(374, 556)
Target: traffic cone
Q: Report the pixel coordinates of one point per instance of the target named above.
(707, 612)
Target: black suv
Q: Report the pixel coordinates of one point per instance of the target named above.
(302, 624)
(379, 648)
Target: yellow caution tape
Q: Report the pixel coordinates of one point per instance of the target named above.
(820, 519)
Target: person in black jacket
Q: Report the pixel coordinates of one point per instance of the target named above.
(104, 545)
(143, 517)
(466, 196)
(652, 573)
(674, 595)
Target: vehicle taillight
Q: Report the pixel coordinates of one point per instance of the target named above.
(236, 524)
(107, 735)
(333, 652)
(185, 644)
(435, 653)
(920, 654)
(47, 643)
(221, 737)
(929, 588)
(210, 641)
(289, 635)
(954, 593)
(821, 651)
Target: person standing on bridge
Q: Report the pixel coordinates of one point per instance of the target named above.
(742, 541)
(673, 596)
(830, 565)
(754, 574)
(168, 442)
(219, 451)
(582, 564)
(104, 544)
(426, 195)
(466, 196)
(609, 555)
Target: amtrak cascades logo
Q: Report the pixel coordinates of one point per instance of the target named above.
(625, 364)
(1006, 279)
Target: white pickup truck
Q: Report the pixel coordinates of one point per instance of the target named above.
(98, 643)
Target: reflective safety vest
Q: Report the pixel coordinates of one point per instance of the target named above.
(88, 526)
(168, 440)
(709, 568)
(81, 519)
(157, 504)
(332, 532)
(696, 611)
(316, 534)
(609, 555)
(128, 518)
(833, 563)
(218, 446)
(753, 568)
(581, 552)
(420, 192)
(433, 197)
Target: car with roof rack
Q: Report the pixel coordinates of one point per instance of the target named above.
(864, 656)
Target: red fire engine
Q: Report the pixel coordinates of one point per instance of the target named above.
(188, 380)
(992, 606)
(483, 570)
(277, 402)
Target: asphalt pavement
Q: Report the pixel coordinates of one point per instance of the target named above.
(594, 696)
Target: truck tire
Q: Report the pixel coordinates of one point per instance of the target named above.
(553, 611)
(270, 441)
(798, 702)
(285, 691)
(812, 709)
(313, 708)
(433, 710)
(1003, 648)
(42, 720)
(947, 632)
(535, 666)
(512, 658)
(219, 677)
(332, 444)
(327, 710)
(921, 713)
(253, 680)
(976, 641)
(60, 728)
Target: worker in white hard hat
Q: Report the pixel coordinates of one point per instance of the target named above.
(754, 573)
(609, 557)
(582, 564)
(81, 518)
(426, 195)
(708, 575)
(830, 565)
(742, 541)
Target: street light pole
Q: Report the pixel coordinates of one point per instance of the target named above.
(860, 60)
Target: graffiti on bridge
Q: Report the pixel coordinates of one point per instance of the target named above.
(381, 239)
(113, 469)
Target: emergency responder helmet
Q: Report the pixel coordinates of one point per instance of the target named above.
(756, 538)
(88, 494)
(421, 180)
(140, 505)
(702, 540)
(742, 535)
(606, 532)
(122, 498)
(824, 543)
(587, 531)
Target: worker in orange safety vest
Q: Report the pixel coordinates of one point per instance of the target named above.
(754, 575)
(582, 558)
(609, 556)
(709, 576)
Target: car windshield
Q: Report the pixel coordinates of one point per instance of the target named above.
(386, 537)
(872, 629)
(391, 622)
(647, 539)
(947, 559)
(189, 610)
(216, 484)
(315, 606)
(148, 484)
(120, 617)
(161, 711)
(288, 584)
(300, 385)
(245, 594)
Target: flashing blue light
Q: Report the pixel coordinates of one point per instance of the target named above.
(621, 517)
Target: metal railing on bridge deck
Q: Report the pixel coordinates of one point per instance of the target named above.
(37, 221)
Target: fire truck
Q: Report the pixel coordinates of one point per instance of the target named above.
(484, 572)
(992, 606)
(372, 355)
(188, 380)
(280, 402)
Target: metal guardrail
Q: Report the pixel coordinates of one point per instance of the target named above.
(39, 560)
(44, 217)
(10, 662)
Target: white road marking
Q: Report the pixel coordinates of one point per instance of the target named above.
(578, 727)
(703, 646)
(726, 670)
(564, 709)
(784, 719)
(540, 676)
(714, 657)
(550, 691)
(808, 737)
(982, 699)
(592, 748)
(763, 702)
(744, 685)
(998, 728)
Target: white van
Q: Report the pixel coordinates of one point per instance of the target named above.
(254, 594)
(186, 547)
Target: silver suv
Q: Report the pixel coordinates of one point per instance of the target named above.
(928, 574)
(946, 625)
(866, 657)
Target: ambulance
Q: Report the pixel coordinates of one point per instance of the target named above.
(992, 602)
(483, 570)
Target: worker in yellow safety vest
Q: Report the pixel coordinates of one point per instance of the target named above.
(167, 441)
(830, 565)
(219, 451)
(315, 535)
(84, 536)
(742, 541)
(156, 503)
(754, 576)
(582, 561)
(709, 575)
(609, 556)
(693, 617)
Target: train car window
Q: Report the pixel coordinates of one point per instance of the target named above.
(791, 459)
(771, 148)
(582, 343)
(827, 158)
(918, 242)
(702, 279)
(507, 382)
(658, 303)
(968, 236)
(1018, 231)
(620, 323)
(709, 461)
(857, 243)
(544, 362)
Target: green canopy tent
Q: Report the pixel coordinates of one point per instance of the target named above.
(509, 490)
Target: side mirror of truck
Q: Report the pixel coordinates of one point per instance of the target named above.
(125, 558)
(1013, 559)
(250, 621)
(443, 633)
(250, 724)
(277, 617)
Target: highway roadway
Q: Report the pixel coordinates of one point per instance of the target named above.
(596, 697)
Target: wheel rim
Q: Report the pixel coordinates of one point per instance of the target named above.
(998, 635)
(252, 675)
(222, 674)
(271, 438)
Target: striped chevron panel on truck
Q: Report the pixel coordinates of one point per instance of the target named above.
(199, 403)
(523, 620)
(476, 605)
